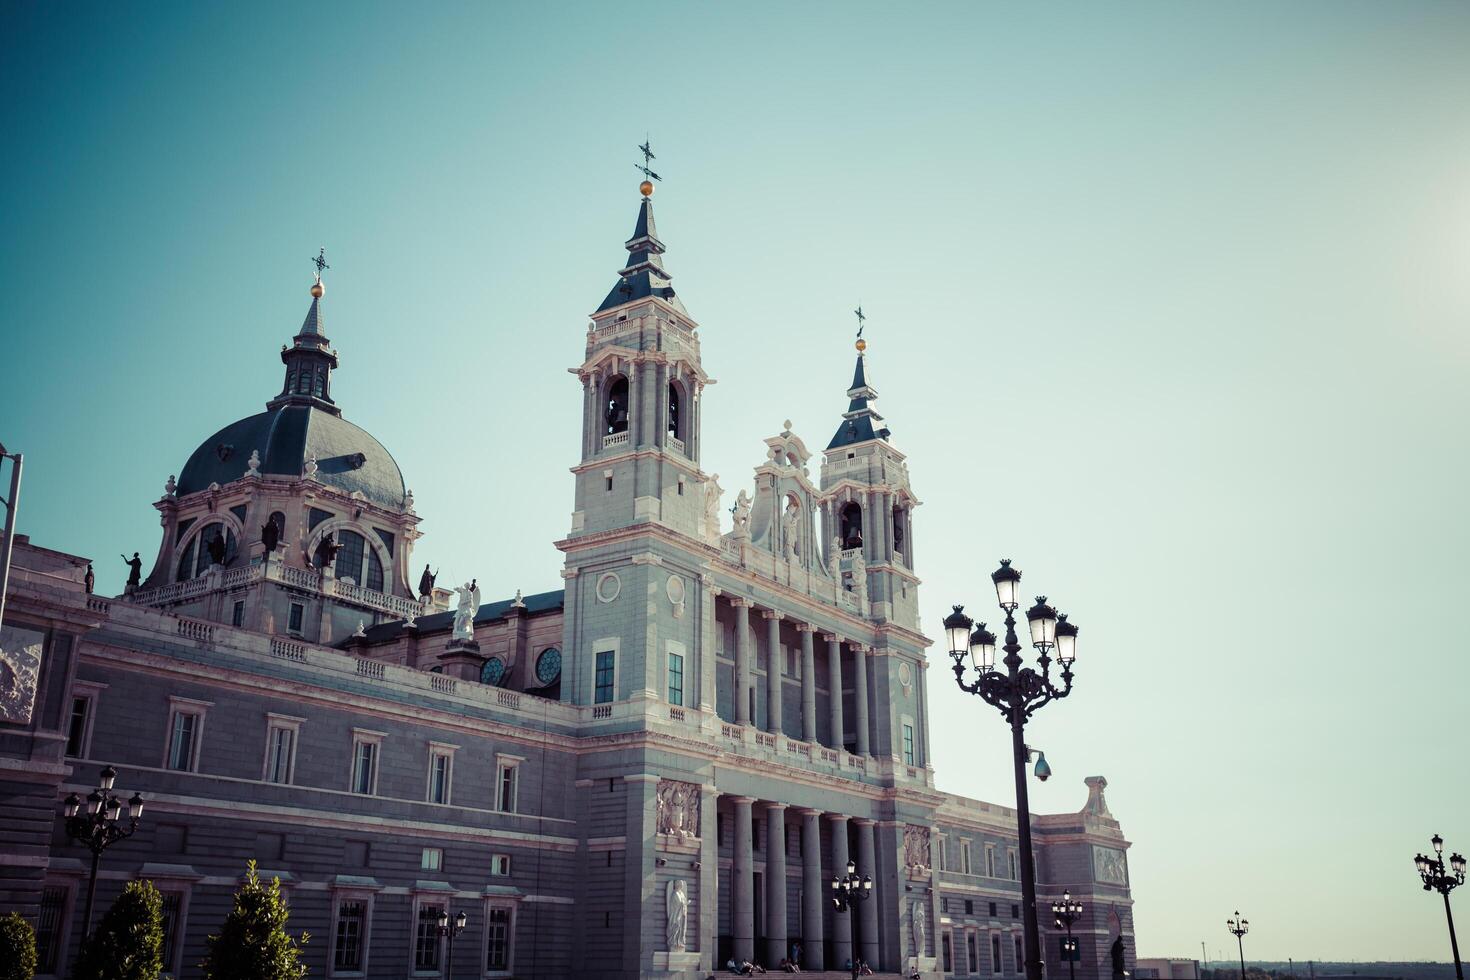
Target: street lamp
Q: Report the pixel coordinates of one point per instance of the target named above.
(1238, 928)
(1017, 693)
(1432, 873)
(847, 891)
(1068, 912)
(448, 930)
(100, 826)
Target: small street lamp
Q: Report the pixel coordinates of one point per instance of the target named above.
(448, 930)
(1432, 873)
(100, 827)
(1068, 912)
(847, 891)
(1017, 692)
(1238, 928)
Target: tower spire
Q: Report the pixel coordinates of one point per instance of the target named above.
(858, 422)
(643, 275)
(310, 359)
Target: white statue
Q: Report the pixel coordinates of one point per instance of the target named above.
(518, 602)
(253, 463)
(361, 629)
(791, 526)
(410, 622)
(712, 494)
(170, 487)
(310, 467)
(464, 614)
(676, 904)
(919, 929)
(741, 513)
(408, 502)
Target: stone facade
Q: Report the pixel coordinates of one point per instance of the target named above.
(643, 774)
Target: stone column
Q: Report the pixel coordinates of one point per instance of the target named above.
(742, 883)
(834, 681)
(813, 891)
(775, 884)
(868, 911)
(709, 877)
(707, 660)
(773, 671)
(742, 659)
(860, 697)
(841, 921)
(808, 684)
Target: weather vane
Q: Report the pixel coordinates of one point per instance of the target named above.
(321, 263)
(647, 157)
(861, 320)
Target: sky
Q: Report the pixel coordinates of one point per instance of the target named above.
(1166, 302)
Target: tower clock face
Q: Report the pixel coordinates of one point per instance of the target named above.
(20, 672)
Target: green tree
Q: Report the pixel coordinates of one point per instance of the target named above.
(253, 944)
(17, 948)
(128, 945)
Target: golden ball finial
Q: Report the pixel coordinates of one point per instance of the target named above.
(317, 289)
(861, 345)
(646, 188)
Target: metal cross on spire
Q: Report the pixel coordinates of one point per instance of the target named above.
(861, 320)
(320, 262)
(647, 157)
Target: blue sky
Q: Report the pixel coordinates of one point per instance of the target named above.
(1168, 303)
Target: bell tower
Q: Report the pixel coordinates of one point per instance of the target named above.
(868, 515)
(641, 387)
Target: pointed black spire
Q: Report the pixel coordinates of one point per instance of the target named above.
(861, 422)
(644, 274)
(310, 360)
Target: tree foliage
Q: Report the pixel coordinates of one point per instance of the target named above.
(128, 944)
(17, 948)
(253, 943)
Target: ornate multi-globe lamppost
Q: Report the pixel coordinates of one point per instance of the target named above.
(1238, 928)
(1067, 912)
(1436, 879)
(100, 826)
(1017, 692)
(847, 891)
(448, 930)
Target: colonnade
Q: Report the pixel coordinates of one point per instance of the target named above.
(815, 887)
(745, 658)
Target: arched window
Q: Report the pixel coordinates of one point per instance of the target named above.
(303, 382)
(319, 381)
(617, 405)
(676, 419)
(852, 526)
(899, 517)
(290, 380)
(355, 560)
(196, 558)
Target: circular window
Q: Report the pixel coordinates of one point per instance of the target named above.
(608, 587)
(493, 672)
(548, 665)
(675, 589)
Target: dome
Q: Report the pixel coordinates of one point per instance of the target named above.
(347, 457)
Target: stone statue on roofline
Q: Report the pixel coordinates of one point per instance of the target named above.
(426, 583)
(464, 614)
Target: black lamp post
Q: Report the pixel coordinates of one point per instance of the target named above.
(100, 826)
(847, 891)
(1432, 873)
(1068, 912)
(448, 930)
(1238, 928)
(1017, 693)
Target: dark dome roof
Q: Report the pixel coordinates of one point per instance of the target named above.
(347, 457)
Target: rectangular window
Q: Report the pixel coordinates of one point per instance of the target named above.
(500, 865)
(965, 856)
(365, 765)
(943, 862)
(351, 928)
(77, 726)
(989, 861)
(1015, 911)
(497, 938)
(676, 678)
(172, 906)
(969, 906)
(426, 940)
(972, 963)
(293, 622)
(506, 798)
(49, 928)
(432, 859)
(908, 744)
(439, 777)
(995, 966)
(1020, 956)
(992, 910)
(183, 741)
(1014, 866)
(280, 752)
(603, 683)
(948, 954)
(237, 615)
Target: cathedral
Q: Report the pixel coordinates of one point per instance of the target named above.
(650, 771)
